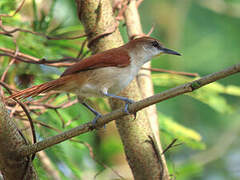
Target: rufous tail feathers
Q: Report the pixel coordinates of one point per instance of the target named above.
(36, 90)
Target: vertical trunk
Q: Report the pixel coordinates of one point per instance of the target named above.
(12, 167)
(144, 79)
(100, 25)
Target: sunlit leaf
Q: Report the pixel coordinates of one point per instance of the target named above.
(188, 170)
(210, 94)
(187, 135)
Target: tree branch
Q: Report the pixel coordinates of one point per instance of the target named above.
(188, 87)
(64, 62)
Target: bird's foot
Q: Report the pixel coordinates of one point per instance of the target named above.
(125, 99)
(94, 121)
(129, 101)
(97, 114)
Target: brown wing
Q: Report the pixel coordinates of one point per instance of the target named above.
(117, 57)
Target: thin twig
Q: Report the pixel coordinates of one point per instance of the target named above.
(138, 3)
(94, 158)
(9, 32)
(171, 72)
(122, 6)
(157, 153)
(107, 32)
(43, 125)
(6, 86)
(17, 10)
(63, 62)
(170, 145)
(81, 49)
(151, 30)
(9, 65)
(61, 106)
(28, 115)
(60, 117)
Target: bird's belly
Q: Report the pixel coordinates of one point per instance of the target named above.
(120, 83)
(89, 90)
(105, 80)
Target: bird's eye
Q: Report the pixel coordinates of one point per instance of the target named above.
(155, 44)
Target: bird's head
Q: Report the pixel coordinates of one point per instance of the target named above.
(150, 46)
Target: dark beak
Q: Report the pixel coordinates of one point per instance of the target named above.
(169, 51)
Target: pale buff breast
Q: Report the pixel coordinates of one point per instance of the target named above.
(108, 80)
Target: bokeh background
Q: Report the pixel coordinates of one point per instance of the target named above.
(206, 122)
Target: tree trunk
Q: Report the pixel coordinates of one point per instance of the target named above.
(12, 166)
(144, 79)
(100, 25)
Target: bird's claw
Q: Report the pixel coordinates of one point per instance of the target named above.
(129, 101)
(94, 121)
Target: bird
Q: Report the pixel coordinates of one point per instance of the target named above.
(104, 74)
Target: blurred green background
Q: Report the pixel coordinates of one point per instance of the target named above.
(206, 122)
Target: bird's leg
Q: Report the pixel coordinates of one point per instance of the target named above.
(97, 114)
(125, 99)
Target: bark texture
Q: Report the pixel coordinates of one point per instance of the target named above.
(12, 166)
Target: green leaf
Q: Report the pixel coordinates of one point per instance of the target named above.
(60, 158)
(7, 7)
(68, 29)
(188, 171)
(210, 94)
(213, 99)
(217, 87)
(169, 80)
(189, 136)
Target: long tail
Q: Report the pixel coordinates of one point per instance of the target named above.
(36, 90)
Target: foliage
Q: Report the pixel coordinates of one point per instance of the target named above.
(212, 94)
(183, 134)
(208, 41)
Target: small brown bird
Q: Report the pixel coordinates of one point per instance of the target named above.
(104, 74)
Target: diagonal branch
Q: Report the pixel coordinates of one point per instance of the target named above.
(16, 11)
(188, 87)
(30, 59)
